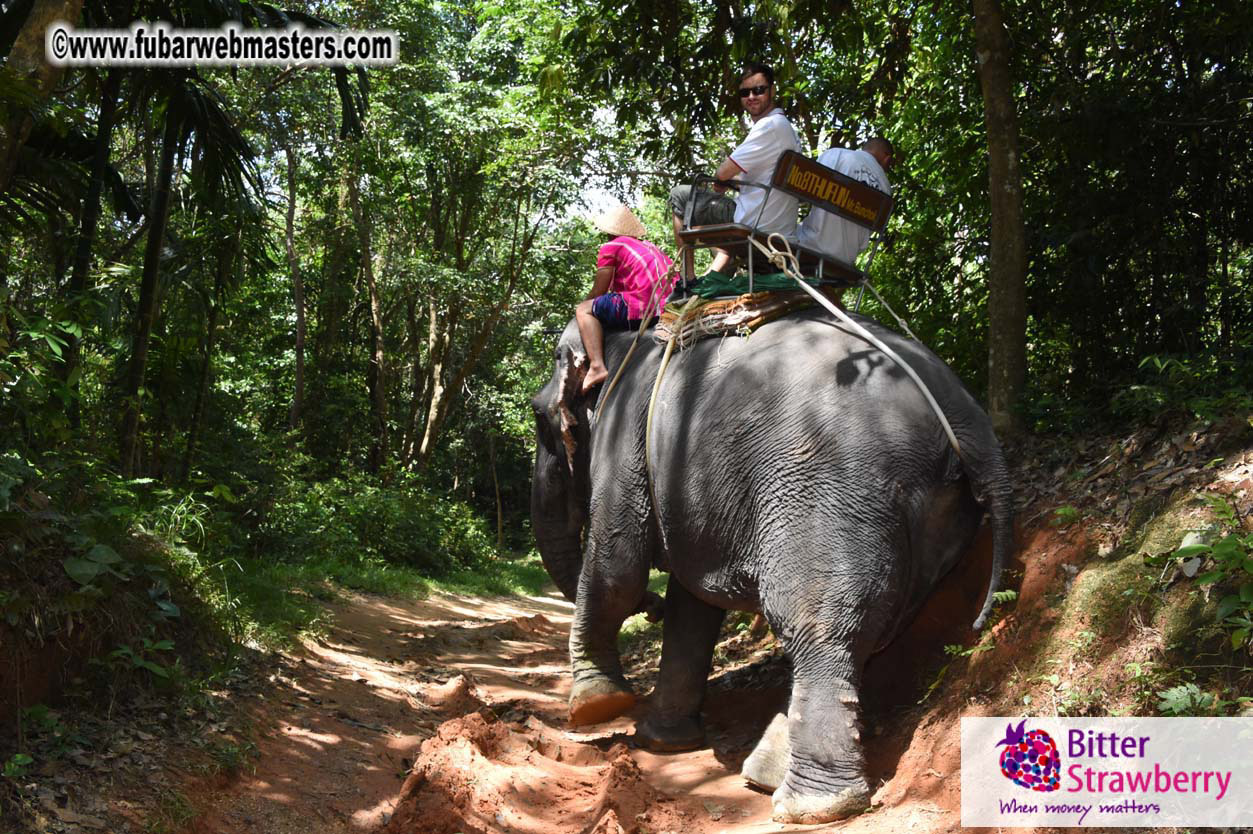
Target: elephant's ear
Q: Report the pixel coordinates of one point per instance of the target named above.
(576, 365)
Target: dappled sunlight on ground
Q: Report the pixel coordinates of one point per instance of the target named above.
(464, 701)
(448, 715)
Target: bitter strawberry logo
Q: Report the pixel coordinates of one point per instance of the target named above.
(1030, 759)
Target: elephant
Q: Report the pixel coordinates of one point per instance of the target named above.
(798, 472)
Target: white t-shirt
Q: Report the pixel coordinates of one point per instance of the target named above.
(769, 137)
(829, 233)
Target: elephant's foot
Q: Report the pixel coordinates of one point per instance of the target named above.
(766, 766)
(808, 809)
(599, 700)
(653, 607)
(678, 737)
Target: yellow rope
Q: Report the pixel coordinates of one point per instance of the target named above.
(689, 307)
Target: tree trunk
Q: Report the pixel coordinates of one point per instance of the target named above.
(500, 507)
(89, 219)
(334, 296)
(375, 371)
(1226, 302)
(298, 289)
(206, 364)
(1007, 259)
(145, 315)
(416, 378)
(25, 63)
(1195, 312)
(439, 341)
(58, 240)
(442, 398)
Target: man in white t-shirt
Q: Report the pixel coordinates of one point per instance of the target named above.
(831, 234)
(753, 161)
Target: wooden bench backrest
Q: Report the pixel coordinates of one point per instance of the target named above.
(824, 188)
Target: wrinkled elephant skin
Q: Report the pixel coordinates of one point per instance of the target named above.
(800, 473)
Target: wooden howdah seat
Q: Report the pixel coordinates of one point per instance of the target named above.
(824, 189)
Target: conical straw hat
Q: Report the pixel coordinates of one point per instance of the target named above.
(620, 221)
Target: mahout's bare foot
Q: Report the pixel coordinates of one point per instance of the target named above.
(595, 376)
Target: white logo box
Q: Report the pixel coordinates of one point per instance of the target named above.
(1114, 772)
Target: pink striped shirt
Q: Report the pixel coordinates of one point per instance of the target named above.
(637, 264)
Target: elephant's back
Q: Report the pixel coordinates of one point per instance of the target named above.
(804, 405)
(804, 373)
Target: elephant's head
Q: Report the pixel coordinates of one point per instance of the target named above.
(560, 489)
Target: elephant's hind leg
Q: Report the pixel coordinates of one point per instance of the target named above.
(766, 766)
(826, 772)
(827, 629)
(688, 637)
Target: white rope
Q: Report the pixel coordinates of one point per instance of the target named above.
(690, 305)
(866, 283)
(786, 261)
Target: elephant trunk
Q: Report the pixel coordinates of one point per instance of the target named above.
(557, 522)
(563, 559)
(559, 488)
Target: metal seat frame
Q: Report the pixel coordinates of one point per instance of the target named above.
(824, 189)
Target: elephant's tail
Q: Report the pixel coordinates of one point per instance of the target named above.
(1000, 505)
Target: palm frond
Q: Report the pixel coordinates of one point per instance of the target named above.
(52, 174)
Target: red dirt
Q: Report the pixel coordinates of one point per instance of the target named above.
(473, 694)
(466, 700)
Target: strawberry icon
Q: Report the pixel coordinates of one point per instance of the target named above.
(1030, 759)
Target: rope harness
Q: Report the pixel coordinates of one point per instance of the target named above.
(741, 315)
(785, 260)
(689, 308)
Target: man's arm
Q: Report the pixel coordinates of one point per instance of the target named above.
(728, 170)
(600, 284)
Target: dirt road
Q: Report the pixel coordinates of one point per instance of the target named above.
(448, 715)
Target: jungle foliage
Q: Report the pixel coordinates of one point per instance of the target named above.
(274, 317)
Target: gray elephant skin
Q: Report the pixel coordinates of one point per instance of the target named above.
(798, 472)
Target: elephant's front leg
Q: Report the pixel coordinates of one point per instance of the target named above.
(612, 585)
(688, 638)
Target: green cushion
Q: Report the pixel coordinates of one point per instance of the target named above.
(716, 284)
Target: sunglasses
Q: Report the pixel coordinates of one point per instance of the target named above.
(759, 90)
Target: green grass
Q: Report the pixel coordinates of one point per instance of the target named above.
(174, 813)
(637, 630)
(504, 577)
(270, 603)
(232, 758)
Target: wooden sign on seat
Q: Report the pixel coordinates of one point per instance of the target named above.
(825, 190)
